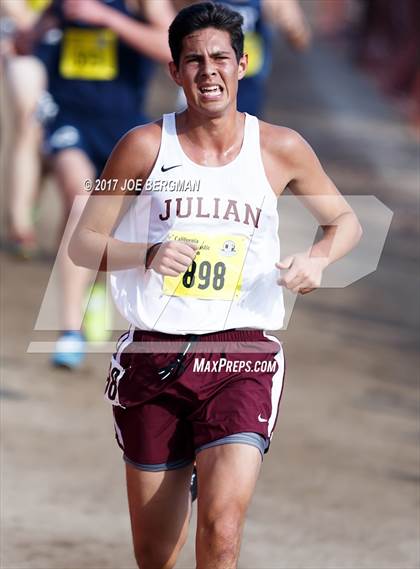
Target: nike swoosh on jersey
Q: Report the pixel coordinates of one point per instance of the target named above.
(261, 419)
(163, 169)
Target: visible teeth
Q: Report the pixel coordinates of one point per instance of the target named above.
(210, 89)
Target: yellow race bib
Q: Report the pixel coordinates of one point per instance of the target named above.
(215, 273)
(89, 54)
(253, 46)
(38, 5)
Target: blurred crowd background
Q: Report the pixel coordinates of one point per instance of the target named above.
(338, 489)
(382, 38)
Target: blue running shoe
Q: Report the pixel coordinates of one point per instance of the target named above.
(69, 350)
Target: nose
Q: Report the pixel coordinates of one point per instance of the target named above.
(207, 68)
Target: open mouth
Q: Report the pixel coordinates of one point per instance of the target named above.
(211, 91)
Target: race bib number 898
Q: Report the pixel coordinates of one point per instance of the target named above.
(215, 273)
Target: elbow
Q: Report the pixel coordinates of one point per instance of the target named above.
(354, 227)
(83, 254)
(74, 252)
(359, 231)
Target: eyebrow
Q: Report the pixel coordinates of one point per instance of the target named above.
(213, 54)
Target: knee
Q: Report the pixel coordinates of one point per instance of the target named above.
(154, 554)
(222, 533)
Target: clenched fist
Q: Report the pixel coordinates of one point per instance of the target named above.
(171, 258)
(303, 273)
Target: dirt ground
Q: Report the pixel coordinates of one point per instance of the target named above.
(339, 488)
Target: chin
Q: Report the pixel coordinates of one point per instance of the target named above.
(212, 109)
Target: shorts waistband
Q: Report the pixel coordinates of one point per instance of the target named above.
(235, 334)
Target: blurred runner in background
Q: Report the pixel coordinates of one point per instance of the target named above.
(98, 75)
(261, 20)
(28, 104)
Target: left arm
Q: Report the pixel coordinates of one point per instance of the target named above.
(309, 183)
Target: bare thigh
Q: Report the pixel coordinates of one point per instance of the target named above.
(160, 505)
(20, 72)
(227, 474)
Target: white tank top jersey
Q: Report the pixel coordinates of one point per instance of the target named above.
(230, 213)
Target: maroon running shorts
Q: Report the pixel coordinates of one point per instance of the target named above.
(173, 394)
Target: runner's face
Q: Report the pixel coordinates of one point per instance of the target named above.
(208, 71)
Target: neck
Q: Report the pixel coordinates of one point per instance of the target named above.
(221, 134)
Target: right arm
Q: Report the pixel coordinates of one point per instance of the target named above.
(92, 244)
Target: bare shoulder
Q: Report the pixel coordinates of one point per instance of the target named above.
(144, 142)
(150, 131)
(135, 154)
(282, 143)
(285, 154)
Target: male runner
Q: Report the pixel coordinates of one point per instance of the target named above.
(197, 275)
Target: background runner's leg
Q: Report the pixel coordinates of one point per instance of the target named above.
(227, 475)
(23, 165)
(72, 168)
(160, 504)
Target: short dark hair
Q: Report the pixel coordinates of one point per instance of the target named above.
(206, 15)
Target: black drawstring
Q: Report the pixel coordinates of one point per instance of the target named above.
(175, 368)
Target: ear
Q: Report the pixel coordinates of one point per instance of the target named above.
(173, 70)
(243, 66)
